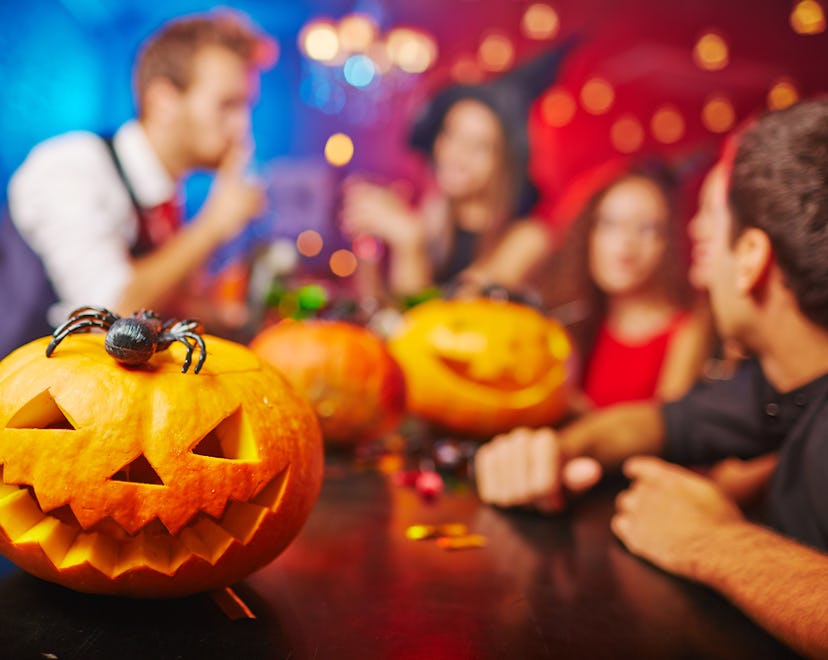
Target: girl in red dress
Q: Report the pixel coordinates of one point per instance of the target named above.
(638, 336)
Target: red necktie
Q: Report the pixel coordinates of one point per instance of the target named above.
(156, 225)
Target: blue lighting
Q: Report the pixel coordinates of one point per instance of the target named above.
(67, 65)
(359, 70)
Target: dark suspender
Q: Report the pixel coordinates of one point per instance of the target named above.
(26, 292)
(110, 145)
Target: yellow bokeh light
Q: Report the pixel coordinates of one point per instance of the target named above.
(309, 243)
(343, 263)
(319, 41)
(417, 55)
(557, 107)
(466, 70)
(711, 52)
(782, 94)
(412, 51)
(339, 149)
(807, 17)
(496, 52)
(539, 22)
(597, 96)
(667, 124)
(626, 134)
(718, 115)
(356, 33)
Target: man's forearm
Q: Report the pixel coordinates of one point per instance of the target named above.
(780, 584)
(615, 433)
(158, 273)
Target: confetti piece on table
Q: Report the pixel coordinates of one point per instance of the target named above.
(462, 542)
(423, 532)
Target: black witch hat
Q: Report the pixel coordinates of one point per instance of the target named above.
(509, 97)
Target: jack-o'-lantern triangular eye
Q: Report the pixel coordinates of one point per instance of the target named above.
(231, 439)
(41, 412)
(138, 471)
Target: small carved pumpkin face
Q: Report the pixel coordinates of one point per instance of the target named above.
(483, 366)
(149, 482)
(345, 371)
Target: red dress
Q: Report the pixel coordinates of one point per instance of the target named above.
(618, 371)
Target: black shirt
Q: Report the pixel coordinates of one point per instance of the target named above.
(463, 251)
(747, 417)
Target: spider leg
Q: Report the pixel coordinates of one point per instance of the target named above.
(185, 326)
(97, 312)
(106, 317)
(186, 332)
(189, 357)
(202, 347)
(170, 329)
(76, 325)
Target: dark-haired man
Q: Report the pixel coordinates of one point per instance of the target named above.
(761, 239)
(99, 218)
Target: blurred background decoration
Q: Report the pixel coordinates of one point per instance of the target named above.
(349, 76)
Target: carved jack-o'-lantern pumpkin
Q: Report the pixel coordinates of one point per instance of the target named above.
(149, 482)
(345, 371)
(482, 367)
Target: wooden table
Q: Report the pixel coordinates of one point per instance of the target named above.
(353, 586)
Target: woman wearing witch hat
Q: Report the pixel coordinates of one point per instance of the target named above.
(464, 233)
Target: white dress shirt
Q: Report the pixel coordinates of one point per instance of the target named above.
(69, 203)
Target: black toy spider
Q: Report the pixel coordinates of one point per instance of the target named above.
(133, 340)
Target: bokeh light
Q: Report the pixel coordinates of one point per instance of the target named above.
(627, 134)
(320, 93)
(466, 70)
(356, 33)
(807, 17)
(782, 94)
(496, 52)
(309, 243)
(539, 22)
(667, 124)
(267, 52)
(597, 96)
(366, 247)
(339, 149)
(718, 115)
(358, 71)
(411, 50)
(343, 263)
(711, 52)
(319, 40)
(312, 297)
(557, 107)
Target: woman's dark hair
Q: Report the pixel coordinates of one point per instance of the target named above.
(572, 287)
(779, 184)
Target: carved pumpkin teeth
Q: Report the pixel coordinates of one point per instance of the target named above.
(146, 482)
(66, 545)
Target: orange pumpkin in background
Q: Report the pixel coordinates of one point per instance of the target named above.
(481, 367)
(145, 481)
(345, 371)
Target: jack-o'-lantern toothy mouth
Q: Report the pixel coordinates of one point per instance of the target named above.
(466, 371)
(113, 551)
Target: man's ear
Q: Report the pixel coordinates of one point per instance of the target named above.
(754, 259)
(161, 99)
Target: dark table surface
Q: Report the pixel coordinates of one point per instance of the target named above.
(353, 586)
